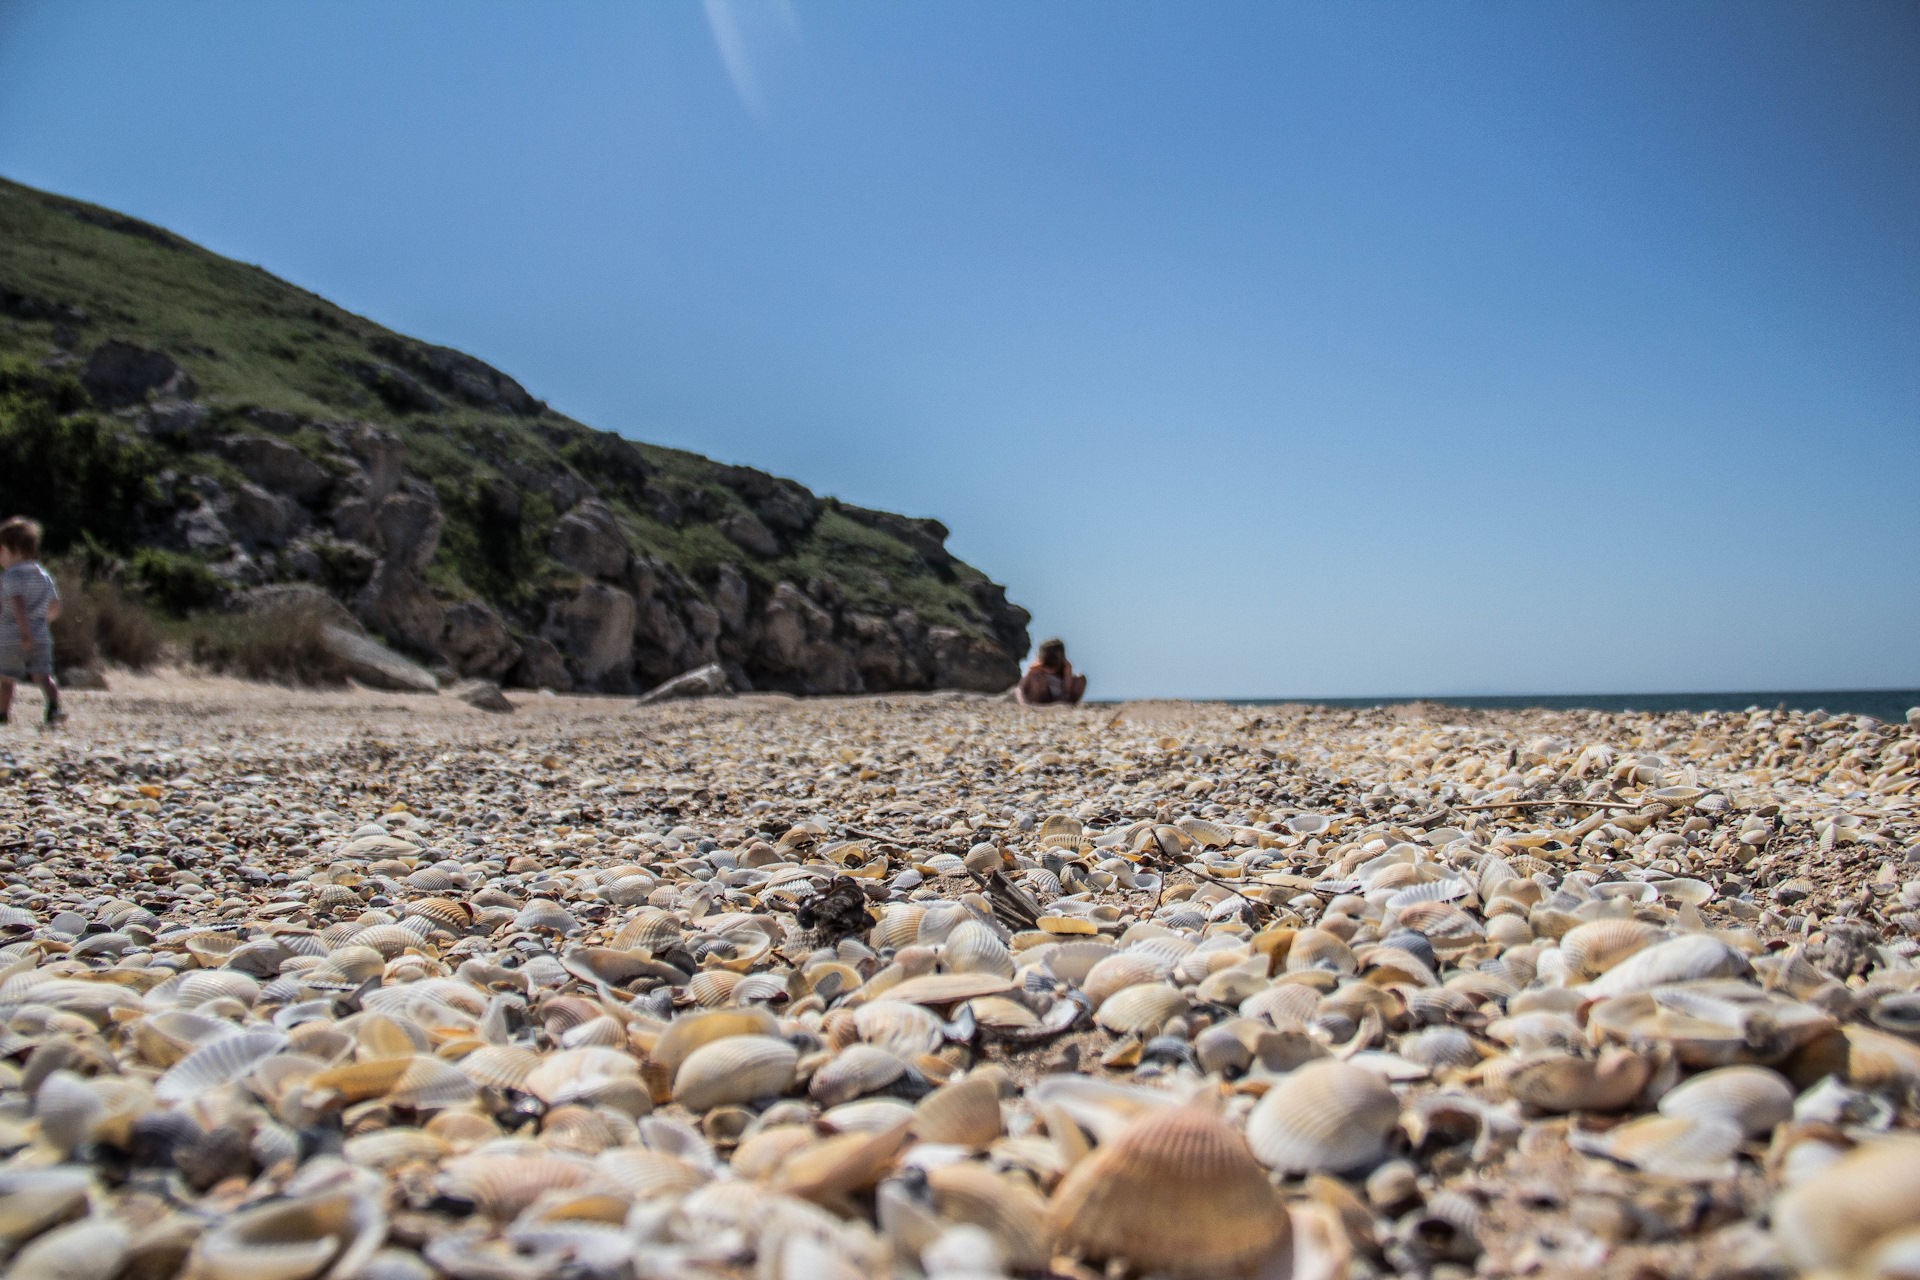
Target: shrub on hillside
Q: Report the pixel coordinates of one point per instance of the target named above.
(99, 622)
(282, 644)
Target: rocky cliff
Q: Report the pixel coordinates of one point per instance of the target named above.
(218, 430)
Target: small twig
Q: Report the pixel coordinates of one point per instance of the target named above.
(1255, 903)
(858, 834)
(1546, 804)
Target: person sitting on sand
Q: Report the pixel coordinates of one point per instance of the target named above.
(1050, 678)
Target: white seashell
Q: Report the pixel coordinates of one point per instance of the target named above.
(1325, 1117)
(216, 1063)
(1753, 1098)
(1684, 959)
(736, 1069)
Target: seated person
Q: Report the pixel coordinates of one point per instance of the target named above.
(1050, 678)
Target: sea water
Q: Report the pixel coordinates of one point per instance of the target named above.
(1882, 704)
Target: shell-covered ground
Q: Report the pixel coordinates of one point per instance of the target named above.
(300, 985)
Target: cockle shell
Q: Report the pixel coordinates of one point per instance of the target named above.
(1141, 1010)
(90, 1249)
(1318, 949)
(500, 1186)
(1688, 958)
(1834, 1219)
(215, 1063)
(974, 948)
(1325, 1117)
(1118, 971)
(1753, 1098)
(857, 1070)
(499, 1066)
(328, 1235)
(578, 1074)
(690, 1031)
(1564, 1082)
(1176, 1191)
(966, 1113)
(647, 1175)
(736, 1069)
(1011, 1212)
(1592, 949)
(1695, 1148)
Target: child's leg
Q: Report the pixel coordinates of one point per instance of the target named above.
(52, 692)
(6, 696)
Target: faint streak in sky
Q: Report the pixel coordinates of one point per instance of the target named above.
(748, 34)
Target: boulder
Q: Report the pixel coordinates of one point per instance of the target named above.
(588, 540)
(745, 531)
(398, 605)
(119, 374)
(789, 626)
(276, 465)
(973, 663)
(595, 630)
(173, 419)
(878, 652)
(704, 682)
(200, 529)
(382, 456)
(476, 642)
(264, 519)
(406, 530)
(732, 598)
(927, 537)
(656, 624)
(457, 374)
(540, 667)
(484, 695)
(375, 664)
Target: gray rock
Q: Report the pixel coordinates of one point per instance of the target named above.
(264, 519)
(879, 653)
(406, 530)
(457, 374)
(376, 665)
(276, 465)
(382, 456)
(200, 529)
(746, 532)
(476, 642)
(704, 682)
(119, 374)
(595, 630)
(658, 625)
(483, 694)
(791, 625)
(973, 663)
(732, 598)
(927, 537)
(173, 419)
(83, 678)
(398, 605)
(352, 519)
(588, 540)
(541, 666)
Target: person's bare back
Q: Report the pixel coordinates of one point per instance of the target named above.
(1051, 678)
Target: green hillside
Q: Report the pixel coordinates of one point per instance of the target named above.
(218, 429)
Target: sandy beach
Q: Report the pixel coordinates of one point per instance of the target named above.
(587, 988)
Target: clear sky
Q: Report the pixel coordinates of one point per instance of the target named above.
(1265, 349)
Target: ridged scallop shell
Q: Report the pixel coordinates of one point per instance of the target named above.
(948, 988)
(203, 985)
(1688, 958)
(215, 1063)
(353, 962)
(1753, 1098)
(1563, 1082)
(1142, 1009)
(857, 1070)
(899, 926)
(388, 1148)
(500, 1186)
(601, 1032)
(974, 948)
(428, 1084)
(1592, 949)
(712, 988)
(65, 1108)
(330, 1235)
(1072, 962)
(965, 1114)
(1010, 1211)
(544, 913)
(1283, 1004)
(90, 1249)
(576, 1129)
(736, 1069)
(652, 930)
(1318, 949)
(1833, 1220)
(499, 1066)
(905, 1030)
(576, 1074)
(1438, 1047)
(1178, 1192)
(1119, 971)
(1326, 1117)
(692, 1030)
(388, 939)
(1690, 1148)
(445, 913)
(648, 1175)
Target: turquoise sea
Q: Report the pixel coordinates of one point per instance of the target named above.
(1882, 704)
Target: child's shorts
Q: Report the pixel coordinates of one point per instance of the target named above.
(16, 665)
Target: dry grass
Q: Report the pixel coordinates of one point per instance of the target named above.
(98, 623)
(282, 645)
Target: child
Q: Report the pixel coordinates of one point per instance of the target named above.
(28, 602)
(1050, 678)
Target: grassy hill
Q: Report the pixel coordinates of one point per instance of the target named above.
(216, 429)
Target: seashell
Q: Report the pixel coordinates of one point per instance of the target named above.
(964, 1114)
(1232, 985)
(649, 1175)
(387, 939)
(1003, 1016)
(601, 1032)
(461, 1130)
(34, 1199)
(905, 1030)
(899, 926)
(499, 1066)
(828, 1170)
(712, 988)
(575, 1129)
(1283, 1004)
(1753, 1098)
(385, 1149)
(1208, 835)
(653, 931)
(949, 988)
(354, 963)
(1563, 1082)
(1438, 1047)
(735, 1069)
(329, 1235)
(974, 948)
(1834, 1220)
(443, 913)
(578, 1074)
(1688, 958)
(1118, 971)
(1142, 1009)
(1691, 892)
(855, 1071)
(1318, 949)
(204, 985)
(1177, 1191)
(90, 1249)
(217, 1062)
(1010, 1211)
(428, 1084)
(1309, 824)
(66, 1110)
(690, 1031)
(501, 1186)
(544, 913)
(1073, 962)
(1326, 1117)
(1689, 1147)
(1592, 949)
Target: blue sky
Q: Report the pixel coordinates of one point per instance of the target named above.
(1316, 349)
